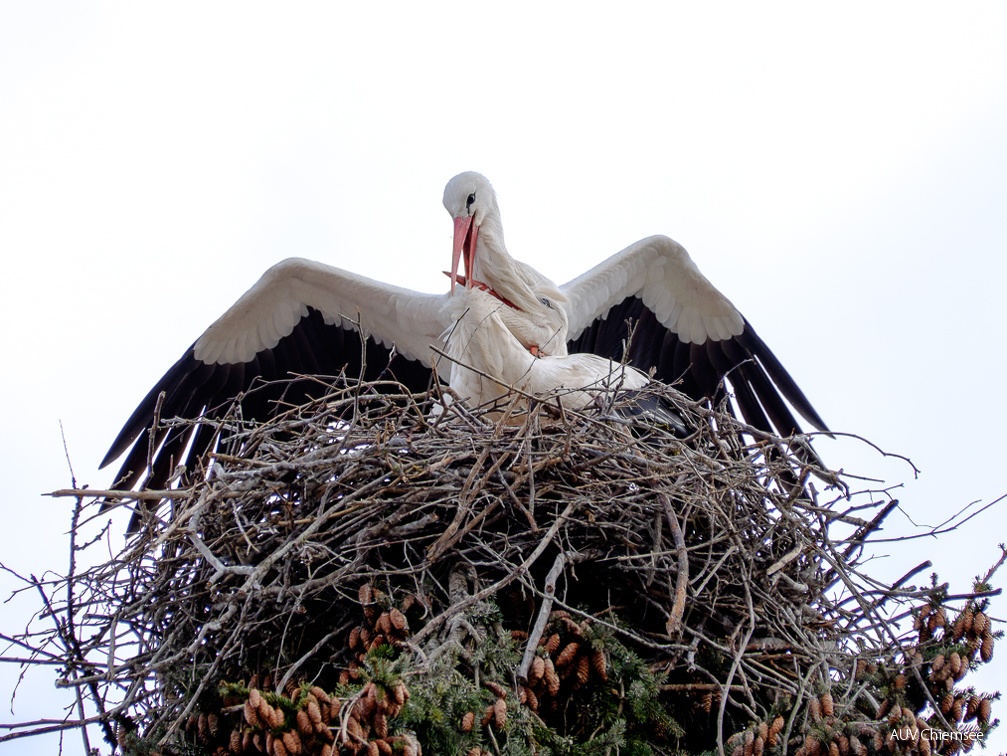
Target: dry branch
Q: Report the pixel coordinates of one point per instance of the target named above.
(356, 551)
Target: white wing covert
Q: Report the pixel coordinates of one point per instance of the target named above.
(300, 318)
(685, 330)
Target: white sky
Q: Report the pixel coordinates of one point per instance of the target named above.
(840, 176)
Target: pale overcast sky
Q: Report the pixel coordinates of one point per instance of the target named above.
(840, 174)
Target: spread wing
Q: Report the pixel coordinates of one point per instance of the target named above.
(684, 329)
(300, 318)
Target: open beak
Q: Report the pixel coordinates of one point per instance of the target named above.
(466, 233)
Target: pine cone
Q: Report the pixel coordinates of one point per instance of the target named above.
(979, 623)
(500, 713)
(552, 643)
(365, 594)
(985, 710)
(536, 671)
(971, 709)
(303, 722)
(774, 731)
(986, 649)
(532, 699)
(398, 621)
(468, 721)
(495, 688)
(354, 642)
(599, 664)
(551, 678)
(292, 742)
(380, 724)
(568, 654)
(815, 709)
(252, 715)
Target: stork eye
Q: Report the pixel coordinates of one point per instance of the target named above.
(546, 302)
(470, 201)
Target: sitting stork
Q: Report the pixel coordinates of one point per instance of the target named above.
(489, 359)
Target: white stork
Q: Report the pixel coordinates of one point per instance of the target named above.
(302, 318)
(683, 328)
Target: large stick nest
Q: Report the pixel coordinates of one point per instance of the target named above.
(358, 576)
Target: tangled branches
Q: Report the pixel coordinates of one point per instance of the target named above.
(360, 576)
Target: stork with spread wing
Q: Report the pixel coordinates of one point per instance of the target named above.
(307, 318)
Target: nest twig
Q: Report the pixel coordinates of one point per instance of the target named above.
(709, 570)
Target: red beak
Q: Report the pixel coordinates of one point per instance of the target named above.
(466, 233)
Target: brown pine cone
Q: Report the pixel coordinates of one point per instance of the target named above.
(568, 654)
(500, 713)
(468, 721)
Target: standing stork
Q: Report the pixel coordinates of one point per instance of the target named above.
(683, 329)
(305, 318)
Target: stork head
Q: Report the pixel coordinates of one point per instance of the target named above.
(470, 194)
(470, 199)
(478, 242)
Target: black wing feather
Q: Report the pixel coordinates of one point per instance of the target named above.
(194, 389)
(779, 375)
(761, 385)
